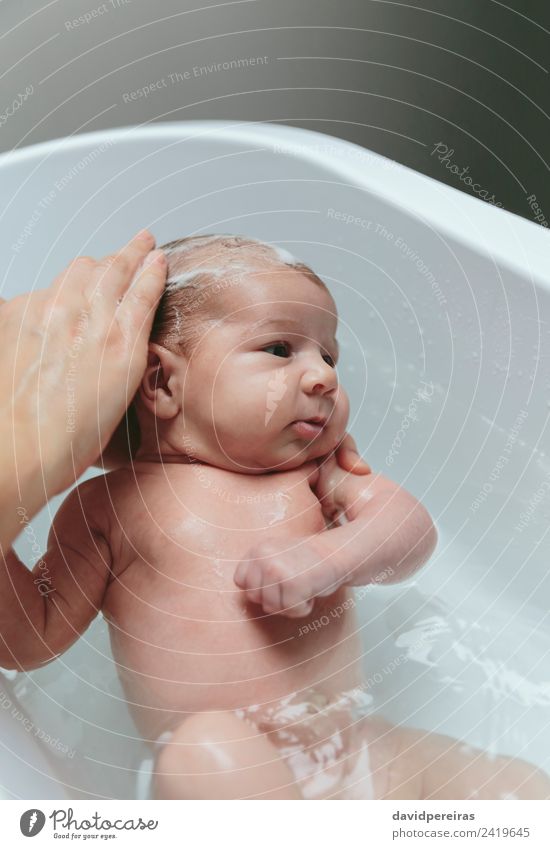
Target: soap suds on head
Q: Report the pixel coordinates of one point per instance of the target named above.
(235, 254)
(283, 255)
(227, 241)
(230, 270)
(219, 253)
(176, 280)
(180, 246)
(200, 271)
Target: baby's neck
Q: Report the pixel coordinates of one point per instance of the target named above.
(165, 457)
(158, 446)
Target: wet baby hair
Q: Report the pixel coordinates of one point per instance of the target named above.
(200, 269)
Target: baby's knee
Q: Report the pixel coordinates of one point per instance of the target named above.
(192, 750)
(519, 779)
(201, 733)
(219, 756)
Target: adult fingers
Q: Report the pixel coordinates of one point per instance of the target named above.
(73, 281)
(107, 278)
(349, 458)
(114, 274)
(137, 309)
(128, 325)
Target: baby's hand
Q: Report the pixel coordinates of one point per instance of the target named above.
(286, 577)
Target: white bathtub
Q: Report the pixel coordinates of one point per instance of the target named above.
(445, 330)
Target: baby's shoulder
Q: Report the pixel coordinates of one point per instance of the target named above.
(84, 507)
(89, 492)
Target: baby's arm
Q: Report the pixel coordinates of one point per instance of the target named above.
(388, 535)
(44, 611)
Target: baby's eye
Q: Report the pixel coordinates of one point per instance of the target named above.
(328, 359)
(277, 345)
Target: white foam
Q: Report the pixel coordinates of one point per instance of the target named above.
(279, 514)
(283, 255)
(144, 779)
(178, 328)
(230, 263)
(359, 784)
(502, 681)
(183, 278)
(419, 641)
(198, 242)
(233, 268)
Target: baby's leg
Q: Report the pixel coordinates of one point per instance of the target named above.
(219, 756)
(394, 775)
(450, 769)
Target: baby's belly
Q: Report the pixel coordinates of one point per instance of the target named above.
(180, 652)
(223, 654)
(182, 633)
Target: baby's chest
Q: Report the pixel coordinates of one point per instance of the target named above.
(221, 518)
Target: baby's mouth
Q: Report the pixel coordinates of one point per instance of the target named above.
(308, 428)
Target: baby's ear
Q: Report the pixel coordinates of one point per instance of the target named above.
(160, 389)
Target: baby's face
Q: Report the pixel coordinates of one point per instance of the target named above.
(262, 371)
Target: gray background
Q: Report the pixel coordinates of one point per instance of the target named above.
(394, 77)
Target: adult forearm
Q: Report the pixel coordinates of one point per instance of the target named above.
(388, 540)
(21, 488)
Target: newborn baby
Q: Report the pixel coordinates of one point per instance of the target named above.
(223, 557)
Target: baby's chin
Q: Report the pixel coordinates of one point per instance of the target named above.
(296, 453)
(272, 456)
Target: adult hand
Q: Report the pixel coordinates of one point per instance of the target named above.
(347, 456)
(73, 356)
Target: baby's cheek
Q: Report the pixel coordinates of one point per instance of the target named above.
(340, 418)
(334, 433)
(342, 407)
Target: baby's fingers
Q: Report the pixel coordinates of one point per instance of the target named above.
(247, 580)
(295, 600)
(239, 577)
(299, 610)
(271, 600)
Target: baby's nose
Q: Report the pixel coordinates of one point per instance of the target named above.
(320, 379)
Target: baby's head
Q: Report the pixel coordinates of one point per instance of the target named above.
(243, 346)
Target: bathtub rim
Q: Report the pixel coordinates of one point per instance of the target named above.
(411, 192)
